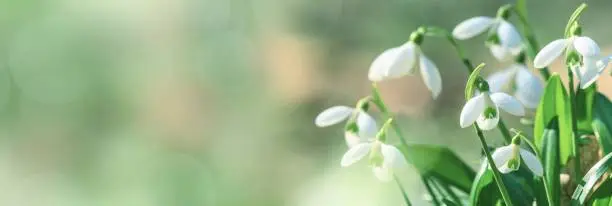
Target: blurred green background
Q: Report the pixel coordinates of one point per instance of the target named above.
(212, 102)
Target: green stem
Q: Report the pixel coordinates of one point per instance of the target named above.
(504, 131)
(576, 146)
(440, 32)
(430, 190)
(537, 152)
(401, 188)
(496, 173)
(532, 43)
(378, 101)
(448, 191)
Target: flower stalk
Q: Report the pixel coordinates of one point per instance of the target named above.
(496, 173)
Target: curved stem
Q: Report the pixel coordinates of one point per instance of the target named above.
(576, 146)
(504, 131)
(537, 152)
(532, 43)
(496, 173)
(404, 194)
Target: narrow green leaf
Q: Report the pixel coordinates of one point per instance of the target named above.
(555, 103)
(551, 160)
(472, 80)
(589, 180)
(585, 101)
(441, 163)
(603, 135)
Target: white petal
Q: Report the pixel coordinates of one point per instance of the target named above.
(529, 88)
(381, 65)
(532, 162)
(367, 125)
(333, 115)
(501, 156)
(351, 139)
(471, 110)
(383, 173)
(508, 35)
(404, 61)
(500, 80)
(508, 103)
(431, 76)
(588, 73)
(472, 27)
(355, 154)
(500, 53)
(488, 123)
(392, 156)
(586, 46)
(549, 53)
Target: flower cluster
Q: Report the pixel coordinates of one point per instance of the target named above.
(515, 90)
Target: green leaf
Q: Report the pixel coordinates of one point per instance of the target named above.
(441, 163)
(550, 153)
(585, 101)
(471, 82)
(602, 122)
(555, 103)
(603, 195)
(485, 193)
(589, 180)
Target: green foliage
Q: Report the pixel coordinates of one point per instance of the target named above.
(585, 100)
(551, 165)
(587, 185)
(484, 191)
(602, 122)
(602, 197)
(555, 103)
(441, 163)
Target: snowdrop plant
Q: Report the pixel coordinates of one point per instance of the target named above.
(402, 60)
(383, 158)
(559, 114)
(359, 122)
(508, 158)
(484, 108)
(504, 41)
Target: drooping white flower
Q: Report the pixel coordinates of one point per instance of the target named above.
(510, 41)
(366, 124)
(527, 87)
(507, 159)
(382, 157)
(590, 70)
(585, 47)
(484, 109)
(399, 61)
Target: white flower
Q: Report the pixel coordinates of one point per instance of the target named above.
(510, 42)
(399, 61)
(590, 70)
(383, 158)
(365, 123)
(506, 159)
(484, 109)
(527, 87)
(585, 46)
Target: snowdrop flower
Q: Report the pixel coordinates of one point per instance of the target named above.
(527, 87)
(590, 70)
(508, 159)
(399, 61)
(484, 109)
(365, 124)
(382, 157)
(504, 40)
(585, 46)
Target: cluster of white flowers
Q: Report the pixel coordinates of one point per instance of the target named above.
(506, 44)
